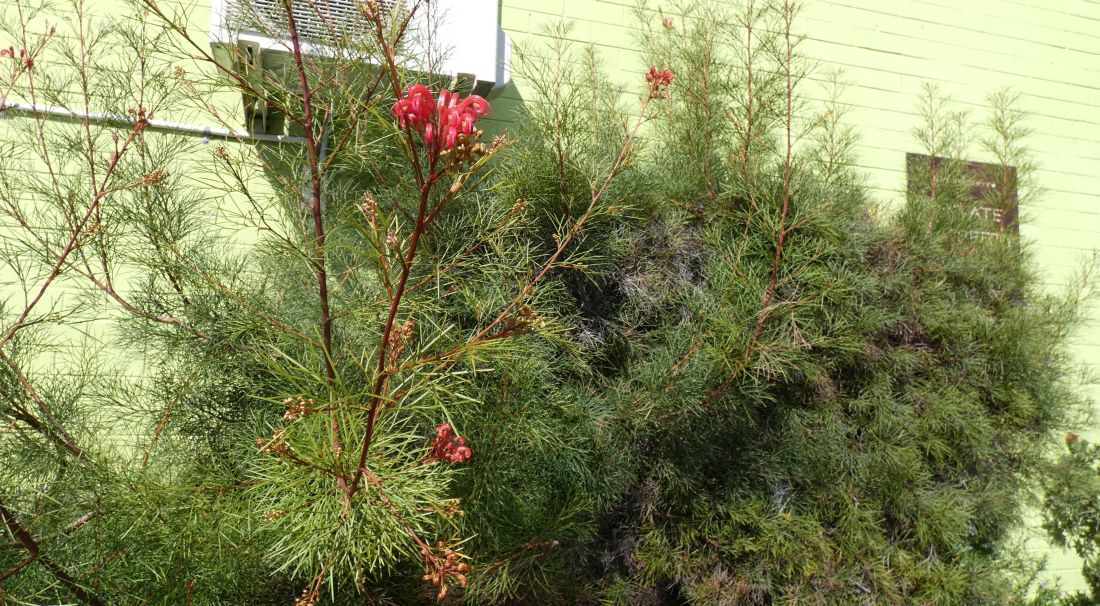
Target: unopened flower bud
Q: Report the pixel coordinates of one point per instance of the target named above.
(369, 207)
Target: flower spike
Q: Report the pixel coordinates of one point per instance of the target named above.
(438, 120)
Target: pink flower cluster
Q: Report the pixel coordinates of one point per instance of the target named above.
(449, 447)
(10, 52)
(439, 121)
(659, 78)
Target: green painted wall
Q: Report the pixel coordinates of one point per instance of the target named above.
(1049, 52)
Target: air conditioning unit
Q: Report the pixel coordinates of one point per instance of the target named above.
(464, 34)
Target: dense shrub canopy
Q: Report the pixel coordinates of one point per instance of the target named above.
(689, 360)
(1072, 512)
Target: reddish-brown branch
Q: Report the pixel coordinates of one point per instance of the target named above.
(26, 540)
(486, 334)
(19, 68)
(89, 138)
(750, 113)
(706, 95)
(74, 240)
(425, 179)
(164, 417)
(767, 306)
(315, 178)
(597, 197)
(23, 536)
(51, 427)
(202, 50)
(382, 376)
(393, 509)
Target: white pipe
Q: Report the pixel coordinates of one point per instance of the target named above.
(196, 129)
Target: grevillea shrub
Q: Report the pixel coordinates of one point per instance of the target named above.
(1072, 514)
(790, 395)
(653, 349)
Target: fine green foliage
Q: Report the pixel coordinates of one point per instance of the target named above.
(691, 360)
(1072, 511)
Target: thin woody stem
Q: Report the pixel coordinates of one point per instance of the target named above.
(34, 551)
(203, 52)
(769, 294)
(382, 376)
(74, 240)
(597, 196)
(486, 335)
(315, 191)
(51, 427)
(425, 179)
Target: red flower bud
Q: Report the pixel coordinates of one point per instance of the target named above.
(448, 447)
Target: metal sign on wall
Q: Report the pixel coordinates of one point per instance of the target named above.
(993, 190)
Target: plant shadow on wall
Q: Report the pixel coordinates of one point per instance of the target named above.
(656, 352)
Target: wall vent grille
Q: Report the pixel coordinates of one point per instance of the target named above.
(319, 21)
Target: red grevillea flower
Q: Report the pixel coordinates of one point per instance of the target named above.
(28, 62)
(439, 121)
(448, 447)
(659, 78)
